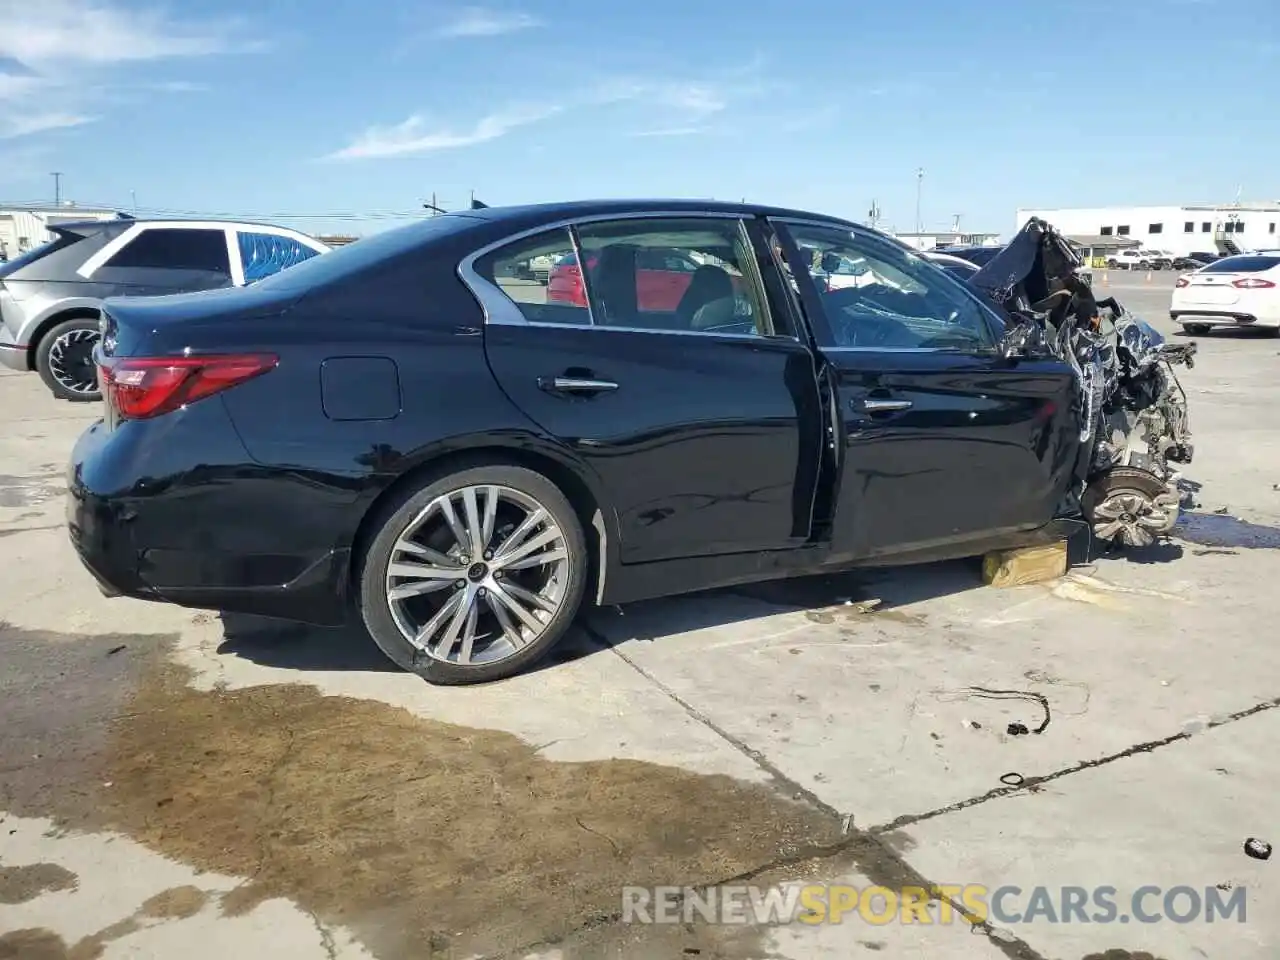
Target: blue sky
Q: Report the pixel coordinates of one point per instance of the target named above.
(274, 109)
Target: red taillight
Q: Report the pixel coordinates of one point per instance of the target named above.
(1252, 283)
(1182, 282)
(142, 387)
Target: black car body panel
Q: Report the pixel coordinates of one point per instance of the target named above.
(719, 459)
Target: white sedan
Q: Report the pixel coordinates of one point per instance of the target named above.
(1240, 291)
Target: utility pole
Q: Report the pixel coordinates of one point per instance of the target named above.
(432, 206)
(919, 188)
(57, 188)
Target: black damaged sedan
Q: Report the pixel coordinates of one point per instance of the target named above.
(413, 431)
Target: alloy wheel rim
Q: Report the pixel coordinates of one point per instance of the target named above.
(1131, 517)
(71, 361)
(477, 575)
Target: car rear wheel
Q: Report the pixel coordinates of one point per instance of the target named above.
(1196, 329)
(64, 360)
(475, 576)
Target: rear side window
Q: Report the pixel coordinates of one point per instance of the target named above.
(31, 256)
(265, 253)
(162, 248)
(525, 272)
(1244, 264)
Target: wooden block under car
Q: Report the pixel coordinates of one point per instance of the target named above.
(1013, 568)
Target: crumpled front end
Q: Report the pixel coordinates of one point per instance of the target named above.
(1134, 428)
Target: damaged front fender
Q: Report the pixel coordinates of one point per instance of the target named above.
(1132, 409)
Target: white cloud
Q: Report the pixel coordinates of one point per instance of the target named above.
(100, 31)
(56, 56)
(670, 132)
(675, 108)
(413, 137)
(13, 125)
(483, 22)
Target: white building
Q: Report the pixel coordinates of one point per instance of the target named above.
(1226, 228)
(25, 228)
(938, 239)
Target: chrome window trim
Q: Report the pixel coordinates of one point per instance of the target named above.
(894, 350)
(499, 309)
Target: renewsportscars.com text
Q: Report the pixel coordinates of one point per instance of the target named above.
(941, 904)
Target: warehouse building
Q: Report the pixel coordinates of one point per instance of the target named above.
(1195, 228)
(24, 228)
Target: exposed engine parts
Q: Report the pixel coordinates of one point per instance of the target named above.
(1133, 411)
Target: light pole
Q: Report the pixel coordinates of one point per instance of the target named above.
(57, 188)
(919, 188)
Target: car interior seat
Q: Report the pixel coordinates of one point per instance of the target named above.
(613, 284)
(708, 285)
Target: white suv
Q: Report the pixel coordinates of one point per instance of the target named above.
(1133, 259)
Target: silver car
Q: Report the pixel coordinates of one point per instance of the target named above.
(50, 297)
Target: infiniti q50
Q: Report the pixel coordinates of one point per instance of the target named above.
(410, 431)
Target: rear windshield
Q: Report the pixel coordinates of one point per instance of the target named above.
(355, 257)
(1244, 264)
(31, 256)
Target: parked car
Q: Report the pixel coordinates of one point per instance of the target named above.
(981, 256)
(1130, 260)
(1238, 291)
(1194, 261)
(663, 279)
(463, 469)
(51, 297)
(963, 270)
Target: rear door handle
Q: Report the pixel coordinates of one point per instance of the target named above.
(873, 405)
(576, 385)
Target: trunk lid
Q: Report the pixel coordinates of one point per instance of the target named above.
(1212, 288)
(158, 326)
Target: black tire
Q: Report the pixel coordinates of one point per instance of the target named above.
(1112, 264)
(53, 374)
(375, 608)
(1196, 329)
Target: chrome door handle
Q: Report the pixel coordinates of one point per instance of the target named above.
(885, 406)
(577, 385)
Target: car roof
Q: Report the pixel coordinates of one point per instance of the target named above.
(535, 213)
(198, 222)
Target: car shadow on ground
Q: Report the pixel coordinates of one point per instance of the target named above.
(291, 646)
(284, 645)
(297, 646)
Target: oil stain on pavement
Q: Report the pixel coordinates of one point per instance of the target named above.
(424, 839)
(22, 883)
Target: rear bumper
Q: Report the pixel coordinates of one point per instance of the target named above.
(100, 529)
(156, 545)
(1223, 318)
(12, 354)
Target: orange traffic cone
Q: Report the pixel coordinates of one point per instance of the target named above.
(1148, 276)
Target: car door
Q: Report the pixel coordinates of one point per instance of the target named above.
(944, 441)
(706, 436)
(166, 259)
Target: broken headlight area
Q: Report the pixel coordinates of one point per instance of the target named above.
(1132, 411)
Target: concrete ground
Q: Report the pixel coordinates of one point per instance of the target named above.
(176, 783)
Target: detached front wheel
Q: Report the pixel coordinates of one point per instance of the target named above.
(1130, 507)
(475, 576)
(64, 360)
